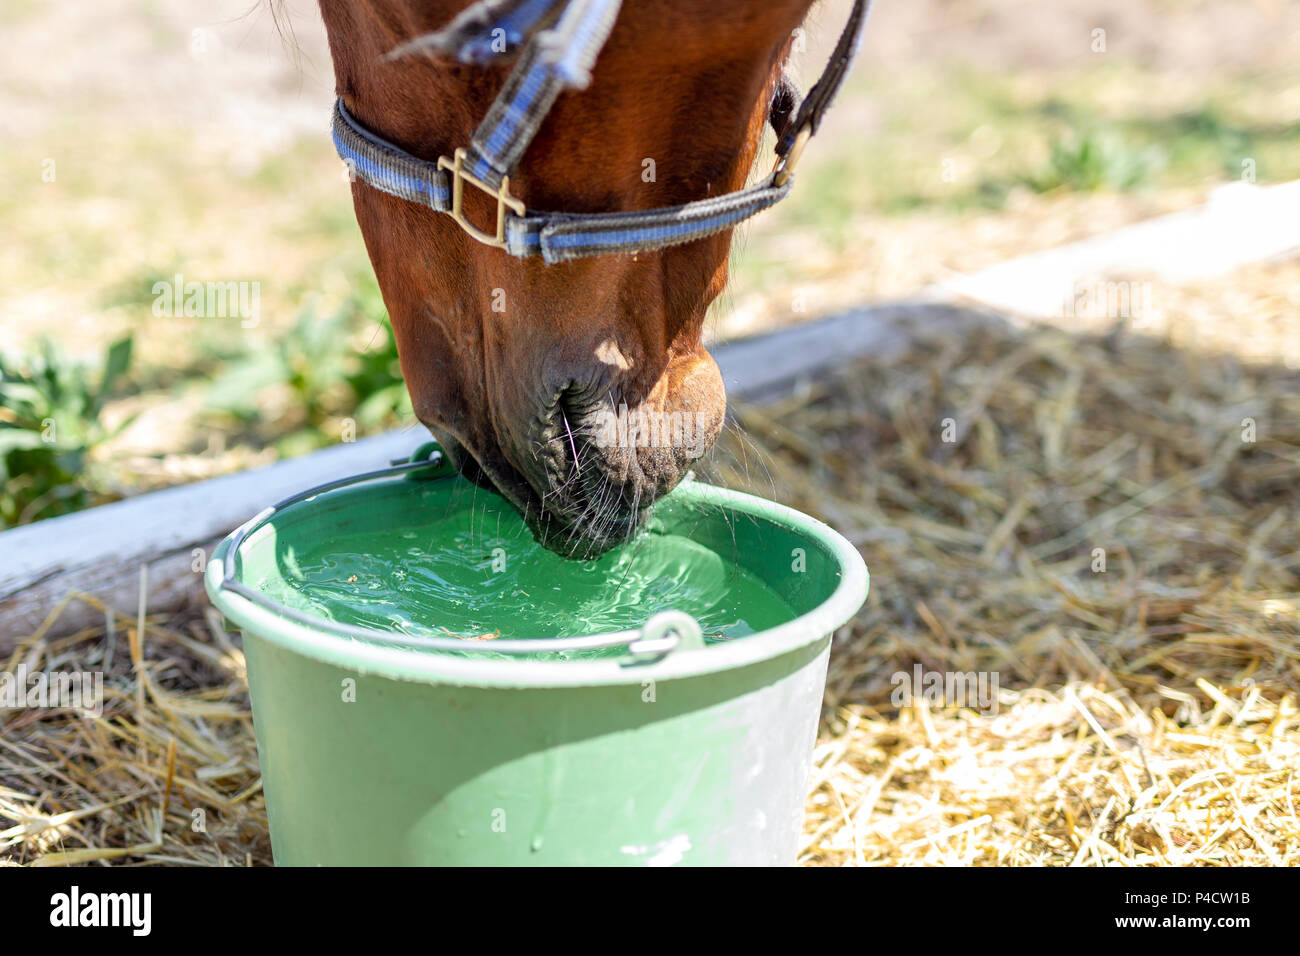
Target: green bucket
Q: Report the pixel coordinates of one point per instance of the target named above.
(413, 746)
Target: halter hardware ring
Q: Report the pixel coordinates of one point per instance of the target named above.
(785, 164)
(502, 195)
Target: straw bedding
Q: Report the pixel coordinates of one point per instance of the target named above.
(1147, 712)
(1143, 714)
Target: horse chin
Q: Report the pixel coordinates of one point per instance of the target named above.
(581, 543)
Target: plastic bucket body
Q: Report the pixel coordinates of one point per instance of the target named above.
(378, 754)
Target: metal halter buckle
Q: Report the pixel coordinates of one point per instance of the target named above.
(502, 195)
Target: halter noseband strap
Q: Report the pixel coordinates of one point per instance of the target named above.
(560, 56)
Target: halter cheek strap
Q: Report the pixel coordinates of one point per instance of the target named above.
(566, 37)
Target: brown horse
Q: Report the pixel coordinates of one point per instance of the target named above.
(512, 362)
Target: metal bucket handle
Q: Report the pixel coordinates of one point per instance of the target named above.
(663, 633)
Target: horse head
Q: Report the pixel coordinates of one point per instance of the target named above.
(580, 389)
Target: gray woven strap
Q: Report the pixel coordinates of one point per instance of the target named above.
(557, 59)
(558, 237)
(486, 31)
(387, 167)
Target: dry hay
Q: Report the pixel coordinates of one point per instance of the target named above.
(168, 774)
(1146, 714)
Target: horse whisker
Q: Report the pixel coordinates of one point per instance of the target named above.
(572, 446)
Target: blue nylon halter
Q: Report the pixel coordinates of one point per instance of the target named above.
(566, 37)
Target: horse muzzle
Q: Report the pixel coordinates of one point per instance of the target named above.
(597, 462)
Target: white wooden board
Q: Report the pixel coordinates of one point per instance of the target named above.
(1241, 223)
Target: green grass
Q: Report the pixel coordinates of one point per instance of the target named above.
(1093, 160)
(51, 420)
(335, 371)
(1078, 132)
(961, 141)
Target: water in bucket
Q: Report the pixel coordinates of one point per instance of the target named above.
(470, 567)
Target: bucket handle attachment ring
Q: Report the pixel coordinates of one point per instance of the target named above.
(663, 633)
